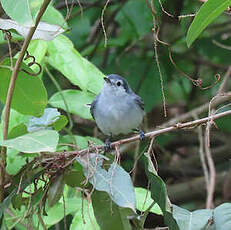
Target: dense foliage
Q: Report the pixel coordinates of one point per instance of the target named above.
(54, 172)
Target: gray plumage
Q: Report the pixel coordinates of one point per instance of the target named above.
(117, 109)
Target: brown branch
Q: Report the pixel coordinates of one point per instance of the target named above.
(190, 124)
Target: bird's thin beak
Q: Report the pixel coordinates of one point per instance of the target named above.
(107, 80)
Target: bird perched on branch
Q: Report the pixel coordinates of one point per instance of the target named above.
(117, 109)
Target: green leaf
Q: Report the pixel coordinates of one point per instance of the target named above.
(22, 11)
(196, 220)
(144, 200)
(60, 123)
(76, 101)
(55, 191)
(41, 141)
(116, 181)
(222, 217)
(14, 162)
(54, 17)
(158, 187)
(84, 219)
(17, 124)
(65, 58)
(74, 178)
(108, 215)
(56, 213)
(210, 10)
(159, 193)
(38, 49)
(29, 97)
(132, 16)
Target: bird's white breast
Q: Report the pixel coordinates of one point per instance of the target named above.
(117, 113)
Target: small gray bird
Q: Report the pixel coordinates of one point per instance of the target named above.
(117, 109)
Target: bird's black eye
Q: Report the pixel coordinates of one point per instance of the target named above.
(118, 83)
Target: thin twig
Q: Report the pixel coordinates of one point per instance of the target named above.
(202, 155)
(224, 82)
(102, 23)
(155, 33)
(212, 170)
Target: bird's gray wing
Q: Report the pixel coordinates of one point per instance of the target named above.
(92, 108)
(139, 101)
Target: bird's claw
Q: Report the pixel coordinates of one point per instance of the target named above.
(107, 145)
(142, 135)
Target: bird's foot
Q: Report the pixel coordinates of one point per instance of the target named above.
(142, 135)
(107, 145)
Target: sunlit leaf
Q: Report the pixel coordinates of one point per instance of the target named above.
(41, 141)
(64, 57)
(144, 200)
(76, 102)
(14, 161)
(22, 11)
(88, 222)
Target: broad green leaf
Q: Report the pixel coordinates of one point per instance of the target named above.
(222, 217)
(65, 58)
(158, 187)
(38, 49)
(210, 10)
(22, 11)
(60, 123)
(30, 96)
(76, 101)
(56, 213)
(116, 181)
(196, 220)
(84, 219)
(74, 178)
(144, 200)
(44, 30)
(14, 162)
(108, 215)
(54, 17)
(55, 190)
(17, 124)
(41, 141)
(159, 193)
(80, 29)
(137, 16)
